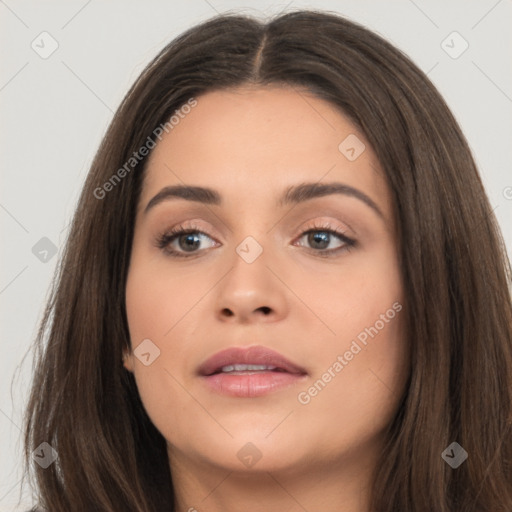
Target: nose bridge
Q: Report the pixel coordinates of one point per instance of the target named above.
(250, 291)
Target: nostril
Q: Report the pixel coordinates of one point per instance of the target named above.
(266, 310)
(227, 312)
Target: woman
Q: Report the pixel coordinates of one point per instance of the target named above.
(284, 288)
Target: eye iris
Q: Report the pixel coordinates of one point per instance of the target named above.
(192, 242)
(319, 237)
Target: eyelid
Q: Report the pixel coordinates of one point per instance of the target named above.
(193, 225)
(327, 224)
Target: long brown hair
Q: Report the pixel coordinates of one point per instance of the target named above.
(459, 316)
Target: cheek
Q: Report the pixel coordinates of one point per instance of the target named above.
(161, 306)
(154, 310)
(350, 296)
(361, 355)
(356, 387)
(157, 299)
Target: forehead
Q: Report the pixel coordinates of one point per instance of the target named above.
(257, 141)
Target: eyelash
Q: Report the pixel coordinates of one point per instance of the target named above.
(165, 239)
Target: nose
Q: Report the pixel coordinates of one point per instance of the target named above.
(251, 293)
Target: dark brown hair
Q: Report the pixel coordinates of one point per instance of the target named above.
(453, 262)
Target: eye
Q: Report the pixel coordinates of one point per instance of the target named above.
(183, 242)
(326, 241)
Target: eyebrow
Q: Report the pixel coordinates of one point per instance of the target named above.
(306, 191)
(188, 192)
(292, 195)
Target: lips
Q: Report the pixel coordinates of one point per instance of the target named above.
(249, 372)
(255, 356)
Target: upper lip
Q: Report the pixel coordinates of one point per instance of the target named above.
(248, 355)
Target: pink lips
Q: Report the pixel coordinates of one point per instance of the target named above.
(249, 383)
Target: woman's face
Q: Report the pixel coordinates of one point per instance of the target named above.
(272, 260)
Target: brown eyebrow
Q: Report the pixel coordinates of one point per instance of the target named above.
(293, 195)
(306, 191)
(187, 192)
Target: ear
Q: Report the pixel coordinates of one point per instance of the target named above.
(128, 361)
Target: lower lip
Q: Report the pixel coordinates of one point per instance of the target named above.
(251, 384)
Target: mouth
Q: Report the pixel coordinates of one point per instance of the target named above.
(247, 369)
(249, 372)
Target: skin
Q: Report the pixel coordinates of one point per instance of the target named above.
(251, 144)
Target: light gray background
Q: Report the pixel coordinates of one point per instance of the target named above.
(56, 110)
